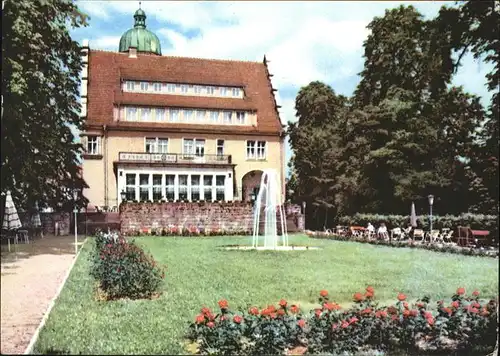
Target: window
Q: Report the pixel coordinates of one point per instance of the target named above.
(220, 147)
(194, 147)
(223, 91)
(157, 195)
(200, 115)
(143, 187)
(160, 114)
(170, 187)
(183, 187)
(256, 149)
(131, 114)
(171, 88)
(195, 187)
(261, 149)
(130, 186)
(236, 92)
(188, 115)
(144, 86)
(157, 86)
(174, 115)
(150, 145)
(197, 89)
(228, 117)
(92, 145)
(214, 116)
(130, 86)
(210, 90)
(240, 117)
(163, 145)
(220, 188)
(250, 149)
(145, 114)
(184, 88)
(156, 145)
(207, 188)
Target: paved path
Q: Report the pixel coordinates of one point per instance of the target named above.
(30, 279)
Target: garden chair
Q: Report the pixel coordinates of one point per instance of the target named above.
(446, 236)
(396, 233)
(419, 234)
(406, 232)
(434, 236)
(23, 235)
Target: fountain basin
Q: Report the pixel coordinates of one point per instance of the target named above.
(277, 248)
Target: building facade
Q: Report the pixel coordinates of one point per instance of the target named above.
(171, 128)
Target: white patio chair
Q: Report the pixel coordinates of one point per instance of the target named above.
(446, 237)
(435, 236)
(396, 233)
(419, 234)
(406, 232)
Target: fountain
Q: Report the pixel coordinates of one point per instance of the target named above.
(269, 198)
(269, 202)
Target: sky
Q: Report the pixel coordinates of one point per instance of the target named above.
(304, 41)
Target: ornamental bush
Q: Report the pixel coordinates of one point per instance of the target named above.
(123, 270)
(464, 325)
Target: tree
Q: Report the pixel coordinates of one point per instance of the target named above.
(475, 25)
(40, 88)
(414, 128)
(315, 141)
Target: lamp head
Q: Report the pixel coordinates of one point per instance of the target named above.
(431, 199)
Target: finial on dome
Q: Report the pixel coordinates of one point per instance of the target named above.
(140, 17)
(139, 4)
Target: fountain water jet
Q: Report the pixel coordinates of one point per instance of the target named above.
(269, 197)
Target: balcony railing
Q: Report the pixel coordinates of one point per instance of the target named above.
(145, 157)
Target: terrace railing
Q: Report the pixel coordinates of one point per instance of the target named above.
(146, 157)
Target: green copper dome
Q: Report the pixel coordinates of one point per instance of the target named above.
(139, 37)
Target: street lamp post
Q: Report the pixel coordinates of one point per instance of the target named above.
(76, 193)
(304, 213)
(431, 201)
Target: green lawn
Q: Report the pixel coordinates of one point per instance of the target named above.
(200, 273)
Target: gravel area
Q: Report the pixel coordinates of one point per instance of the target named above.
(29, 282)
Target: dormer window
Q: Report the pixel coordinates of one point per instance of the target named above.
(144, 86)
(223, 91)
(184, 89)
(197, 89)
(157, 86)
(130, 86)
(210, 90)
(236, 92)
(171, 88)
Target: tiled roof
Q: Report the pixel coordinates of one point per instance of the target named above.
(107, 69)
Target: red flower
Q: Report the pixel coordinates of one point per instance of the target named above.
(474, 310)
(405, 304)
(253, 311)
(358, 297)
(475, 293)
(430, 320)
(428, 315)
(369, 295)
(273, 315)
(448, 311)
(414, 312)
(455, 304)
(370, 289)
(318, 313)
(223, 304)
(205, 311)
(265, 312)
(381, 314)
(366, 311)
(335, 326)
(294, 309)
(345, 324)
(282, 303)
(406, 313)
(301, 323)
(460, 291)
(476, 305)
(394, 317)
(211, 324)
(281, 312)
(200, 319)
(392, 310)
(353, 320)
(485, 312)
(323, 293)
(401, 297)
(237, 319)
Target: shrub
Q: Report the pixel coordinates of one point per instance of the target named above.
(466, 324)
(123, 269)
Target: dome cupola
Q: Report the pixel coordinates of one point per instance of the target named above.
(139, 37)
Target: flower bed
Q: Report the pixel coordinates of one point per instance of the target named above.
(465, 324)
(123, 270)
(492, 252)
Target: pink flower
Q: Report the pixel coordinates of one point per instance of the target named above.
(301, 323)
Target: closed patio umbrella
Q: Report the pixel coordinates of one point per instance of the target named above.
(413, 216)
(11, 218)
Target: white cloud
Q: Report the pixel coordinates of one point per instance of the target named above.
(106, 43)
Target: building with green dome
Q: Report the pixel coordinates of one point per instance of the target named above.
(175, 128)
(139, 37)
